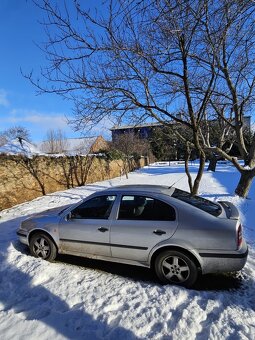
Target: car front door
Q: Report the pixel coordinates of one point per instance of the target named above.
(141, 223)
(86, 229)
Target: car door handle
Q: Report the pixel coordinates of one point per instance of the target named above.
(159, 232)
(102, 229)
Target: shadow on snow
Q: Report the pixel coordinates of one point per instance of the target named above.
(37, 303)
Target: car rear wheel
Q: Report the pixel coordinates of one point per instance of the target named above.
(42, 246)
(176, 268)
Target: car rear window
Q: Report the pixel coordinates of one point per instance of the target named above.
(198, 202)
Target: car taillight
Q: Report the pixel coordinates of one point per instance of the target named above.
(239, 236)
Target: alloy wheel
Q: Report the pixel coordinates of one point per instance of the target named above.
(175, 269)
(41, 247)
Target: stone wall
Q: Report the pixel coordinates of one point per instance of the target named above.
(23, 179)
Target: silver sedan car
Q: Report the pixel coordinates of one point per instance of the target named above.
(164, 228)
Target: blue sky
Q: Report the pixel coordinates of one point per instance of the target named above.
(19, 103)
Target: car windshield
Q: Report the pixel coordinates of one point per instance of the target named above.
(198, 202)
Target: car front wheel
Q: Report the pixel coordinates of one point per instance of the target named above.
(42, 246)
(176, 268)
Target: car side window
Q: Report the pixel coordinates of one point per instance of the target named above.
(145, 208)
(96, 208)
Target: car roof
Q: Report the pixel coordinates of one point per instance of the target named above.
(145, 188)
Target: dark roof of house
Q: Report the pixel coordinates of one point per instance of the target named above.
(124, 127)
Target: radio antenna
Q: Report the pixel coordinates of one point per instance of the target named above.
(176, 181)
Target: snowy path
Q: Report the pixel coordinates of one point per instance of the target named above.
(76, 298)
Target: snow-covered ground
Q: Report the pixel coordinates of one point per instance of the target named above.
(76, 298)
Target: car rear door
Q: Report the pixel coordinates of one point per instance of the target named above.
(86, 230)
(141, 223)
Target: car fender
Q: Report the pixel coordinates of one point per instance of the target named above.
(51, 231)
(175, 243)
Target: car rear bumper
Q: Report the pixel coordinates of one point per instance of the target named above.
(216, 262)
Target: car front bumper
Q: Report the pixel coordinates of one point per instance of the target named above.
(23, 236)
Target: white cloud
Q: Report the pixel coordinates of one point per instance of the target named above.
(50, 120)
(3, 98)
(38, 123)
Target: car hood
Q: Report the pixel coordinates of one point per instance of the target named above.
(51, 212)
(43, 219)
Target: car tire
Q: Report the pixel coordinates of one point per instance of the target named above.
(43, 247)
(176, 268)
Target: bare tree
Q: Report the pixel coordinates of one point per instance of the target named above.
(135, 62)
(216, 131)
(230, 35)
(155, 59)
(16, 132)
(55, 142)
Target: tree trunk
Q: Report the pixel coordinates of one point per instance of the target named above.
(212, 163)
(244, 183)
(199, 174)
(187, 157)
